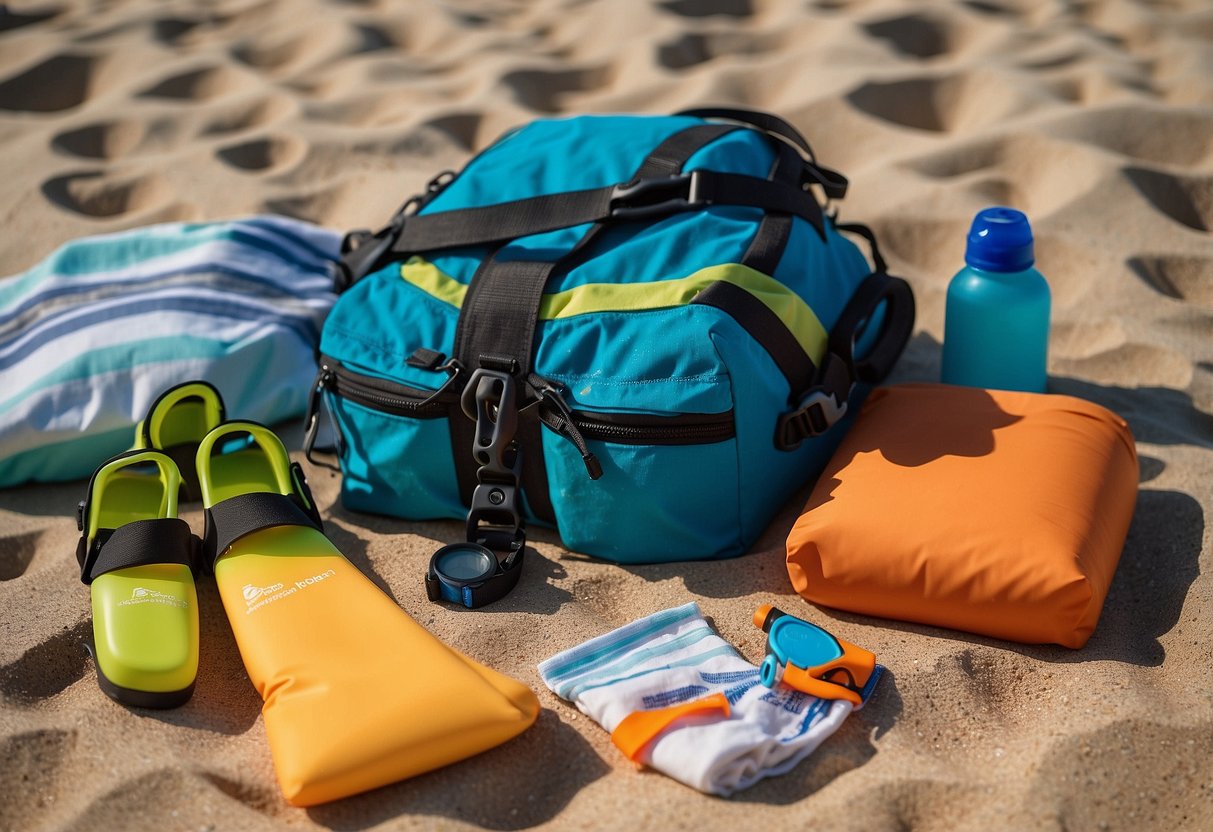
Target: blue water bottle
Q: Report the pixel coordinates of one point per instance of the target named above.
(996, 325)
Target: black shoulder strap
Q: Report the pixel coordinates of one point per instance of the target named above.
(639, 198)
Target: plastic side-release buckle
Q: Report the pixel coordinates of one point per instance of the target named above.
(810, 659)
(657, 196)
(817, 412)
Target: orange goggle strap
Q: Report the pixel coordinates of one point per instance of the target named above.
(842, 678)
(845, 677)
(640, 728)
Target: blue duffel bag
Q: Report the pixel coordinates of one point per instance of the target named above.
(641, 330)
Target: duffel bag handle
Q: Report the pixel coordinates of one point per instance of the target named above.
(833, 183)
(755, 118)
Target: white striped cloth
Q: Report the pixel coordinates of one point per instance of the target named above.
(90, 336)
(672, 657)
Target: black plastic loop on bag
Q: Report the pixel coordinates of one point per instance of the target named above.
(494, 521)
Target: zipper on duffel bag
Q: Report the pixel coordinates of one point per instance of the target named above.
(382, 395)
(621, 428)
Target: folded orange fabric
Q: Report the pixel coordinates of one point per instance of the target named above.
(988, 511)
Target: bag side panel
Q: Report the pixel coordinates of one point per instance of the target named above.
(376, 325)
(653, 503)
(396, 465)
(825, 275)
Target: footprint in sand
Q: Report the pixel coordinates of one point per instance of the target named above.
(47, 668)
(1035, 173)
(152, 800)
(10, 19)
(196, 85)
(256, 797)
(104, 140)
(1187, 200)
(461, 127)
(1101, 779)
(547, 90)
(269, 54)
(94, 194)
(1148, 134)
(1126, 364)
(16, 553)
(265, 155)
(710, 8)
(945, 103)
(172, 30)
(917, 803)
(58, 83)
(316, 206)
(1179, 276)
(920, 35)
(695, 48)
(114, 139)
(246, 116)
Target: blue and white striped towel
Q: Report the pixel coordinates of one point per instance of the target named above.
(672, 657)
(90, 336)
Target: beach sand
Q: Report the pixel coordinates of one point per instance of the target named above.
(1096, 118)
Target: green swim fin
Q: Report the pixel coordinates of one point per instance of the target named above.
(176, 423)
(139, 559)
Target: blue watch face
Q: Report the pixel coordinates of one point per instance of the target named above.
(465, 564)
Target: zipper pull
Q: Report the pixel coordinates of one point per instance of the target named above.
(311, 418)
(311, 421)
(454, 369)
(561, 421)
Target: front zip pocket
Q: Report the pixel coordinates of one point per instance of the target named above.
(620, 428)
(380, 394)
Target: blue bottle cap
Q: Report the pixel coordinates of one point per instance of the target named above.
(1000, 240)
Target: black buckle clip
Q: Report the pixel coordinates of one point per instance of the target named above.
(471, 573)
(656, 196)
(817, 412)
(363, 253)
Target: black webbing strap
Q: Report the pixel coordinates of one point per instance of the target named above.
(668, 158)
(823, 404)
(897, 327)
(766, 249)
(833, 183)
(765, 327)
(508, 330)
(229, 520)
(755, 118)
(138, 543)
(865, 232)
(638, 198)
(764, 253)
